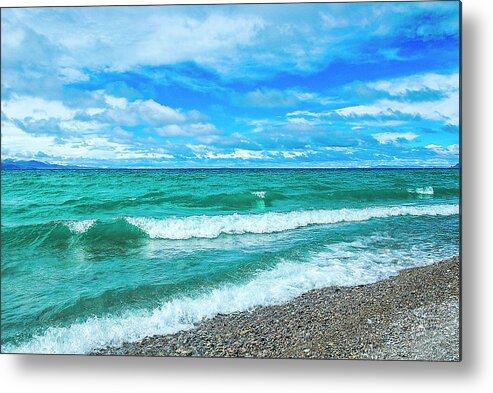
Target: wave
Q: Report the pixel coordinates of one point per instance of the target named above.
(223, 201)
(80, 226)
(61, 234)
(237, 224)
(259, 194)
(241, 201)
(340, 264)
(422, 190)
(123, 229)
(233, 201)
(395, 194)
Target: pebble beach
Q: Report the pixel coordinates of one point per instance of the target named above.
(411, 316)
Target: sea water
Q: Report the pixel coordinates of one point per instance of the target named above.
(92, 258)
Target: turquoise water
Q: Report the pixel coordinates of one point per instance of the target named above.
(98, 257)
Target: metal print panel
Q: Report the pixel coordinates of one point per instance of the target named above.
(258, 180)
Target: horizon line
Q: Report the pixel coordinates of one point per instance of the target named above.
(234, 168)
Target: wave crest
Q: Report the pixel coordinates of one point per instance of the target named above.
(80, 226)
(422, 190)
(207, 227)
(237, 224)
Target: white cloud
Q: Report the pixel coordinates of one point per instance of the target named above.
(71, 75)
(392, 137)
(202, 127)
(376, 123)
(34, 108)
(111, 110)
(432, 81)
(94, 111)
(19, 142)
(450, 150)
(364, 110)
(307, 114)
(293, 154)
(31, 124)
(115, 102)
(221, 38)
(193, 129)
(89, 146)
(236, 154)
(171, 130)
(279, 98)
(301, 121)
(444, 109)
(161, 35)
(137, 112)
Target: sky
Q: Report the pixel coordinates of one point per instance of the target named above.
(289, 85)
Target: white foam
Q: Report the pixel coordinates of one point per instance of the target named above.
(80, 226)
(425, 191)
(213, 226)
(340, 264)
(259, 194)
(422, 190)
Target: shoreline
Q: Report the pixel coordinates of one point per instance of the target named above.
(411, 316)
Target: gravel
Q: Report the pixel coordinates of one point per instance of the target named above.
(412, 316)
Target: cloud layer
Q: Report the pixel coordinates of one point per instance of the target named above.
(363, 84)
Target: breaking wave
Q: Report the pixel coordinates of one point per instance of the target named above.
(237, 224)
(339, 264)
(181, 228)
(422, 190)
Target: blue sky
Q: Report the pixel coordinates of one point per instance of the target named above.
(298, 85)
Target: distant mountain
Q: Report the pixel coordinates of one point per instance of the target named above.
(456, 166)
(32, 164)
